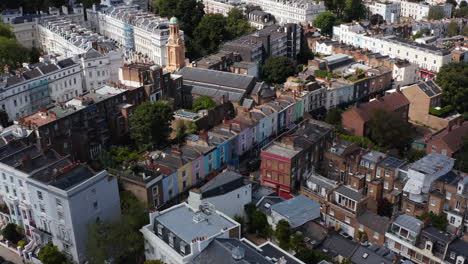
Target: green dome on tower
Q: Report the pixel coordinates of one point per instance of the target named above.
(174, 20)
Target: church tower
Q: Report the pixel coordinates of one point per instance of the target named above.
(175, 48)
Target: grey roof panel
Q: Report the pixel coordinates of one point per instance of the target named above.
(409, 222)
(298, 210)
(348, 192)
(239, 81)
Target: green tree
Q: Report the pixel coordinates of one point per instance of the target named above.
(336, 6)
(237, 25)
(260, 224)
(277, 69)
(239, 219)
(283, 233)
(210, 32)
(463, 4)
(189, 13)
(438, 221)
(461, 12)
(51, 255)
(12, 53)
(376, 19)
(465, 31)
(334, 117)
(10, 233)
(436, 13)
(203, 102)
(452, 28)
(354, 10)
(6, 31)
(413, 155)
(120, 240)
(453, 79)
(297, 242)
(151, 123)
(325, 22)
(389, 131)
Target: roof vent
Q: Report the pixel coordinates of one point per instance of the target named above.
(238, 253)
(365, 255)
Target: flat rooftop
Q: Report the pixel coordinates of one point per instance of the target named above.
(180, 221)
(431, 163)
(277, 149)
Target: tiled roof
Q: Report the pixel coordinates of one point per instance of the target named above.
(454, 138)
(375, 222)
(389, 103)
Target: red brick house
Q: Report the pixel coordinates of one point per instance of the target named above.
(355, 119)
(448, 140)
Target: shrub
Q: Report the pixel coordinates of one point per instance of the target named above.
(444, 111)
(11, 234)
(22, 243)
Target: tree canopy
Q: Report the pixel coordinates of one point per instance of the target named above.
(389, 131)
(257, 221)
(277, 69)
(325, 22)
(334, 116)
(436, 13)
(12, 53)
(151, 123)
(354, 10)
(6, 31)
(452, 29)
(119, 240)
(214, 29)
(453, 79)
(203, 102)
(10, 233)
(189, 13)
(283, 234)
(51, 255)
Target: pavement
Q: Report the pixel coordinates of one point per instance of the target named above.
(9, 255)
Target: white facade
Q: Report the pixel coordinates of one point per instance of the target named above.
(9, 15)
(140, 33)
(295, 11)
(390, 11)
(26, 33)
(57, 81)
(426, 57)
(405, 74)
(420, 11)
(67, 214)
(50, 211)
(219, 6)
(231, 203)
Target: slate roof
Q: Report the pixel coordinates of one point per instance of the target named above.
(335, 245)
(431, 163)
(430, 88)
(226, 79)
(391, 163)
(459, 247)
(409, 222)
(348, 192)
(298, 210)
(274, 252)
(375, 222)
(365, 255)
(223, 183)
(220, 250)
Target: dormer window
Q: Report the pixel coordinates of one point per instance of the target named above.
(428, 245)
(171, 240)
(182, 247)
